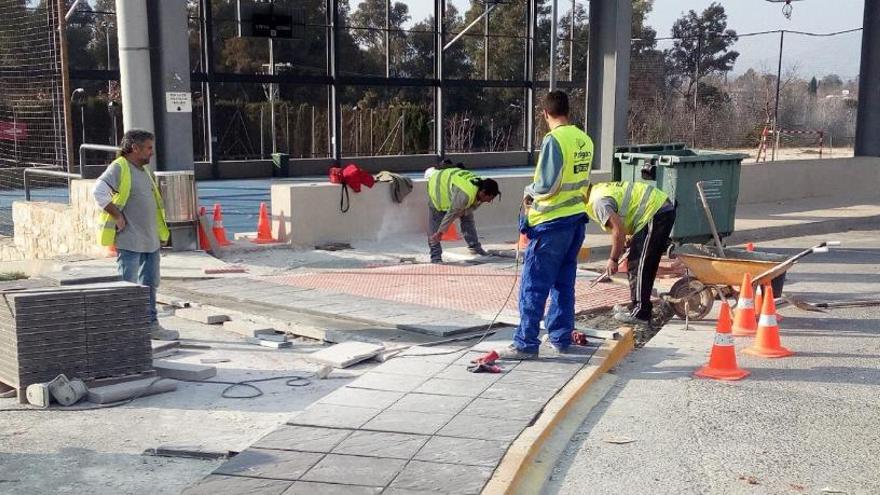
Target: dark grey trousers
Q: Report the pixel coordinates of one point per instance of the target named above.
(468, 231)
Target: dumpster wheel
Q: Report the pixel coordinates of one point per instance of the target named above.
(690, 299)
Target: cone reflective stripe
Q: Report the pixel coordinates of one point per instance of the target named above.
(744, 323)
(767, 343)
(759, 302)
(219, 231)
(722, 360)
(451, 234)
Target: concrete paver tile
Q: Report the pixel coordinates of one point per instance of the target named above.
(460, 388)
(333, 416)
(356, 397)
(463, 451)
(504, 409)
(449, 478)
(235, 485)
(519, 391)
(311, 488)
(435, 354)
(551, 365)
(427, 403)
(380, 444)
(408, 422)
(460, 372)
(410, 367)
(302, 438)
(404, 491)
(393, 383)
(272, 464)
(355, 470)
(536, 379)
(481, 427)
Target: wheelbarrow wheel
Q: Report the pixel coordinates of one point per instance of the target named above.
(691, 299)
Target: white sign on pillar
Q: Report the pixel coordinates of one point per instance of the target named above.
(178, 102)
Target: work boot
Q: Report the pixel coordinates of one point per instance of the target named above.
(158, 332)
(511, 353)
(629, 319)
(436, 260)
(478, 251)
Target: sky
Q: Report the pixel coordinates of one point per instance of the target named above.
(809, 56)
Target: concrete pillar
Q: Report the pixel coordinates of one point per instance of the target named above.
(171, 85)
(868, 120)
(608, 77)
(134, 65)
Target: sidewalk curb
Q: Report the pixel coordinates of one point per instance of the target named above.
(512, 472)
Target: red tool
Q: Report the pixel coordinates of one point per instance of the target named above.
(579, 338)
(485, 364)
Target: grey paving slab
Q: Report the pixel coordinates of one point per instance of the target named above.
(355, 470)
(483, 428)
(348, 396)
(333, 416)
(408, 422)
(504, 409)
(427, 403)
(346, 354)
(312, 488)
(383, 381)
(469, 451)
(381, 444)
(551, 365)
(461, 388)
(461, 373)
(303, 438)
(410, 367)
(434, 354)
(453, 478)
(519, 391)
(272, 464)
(537, 379)
(404, 491)
(234, 485)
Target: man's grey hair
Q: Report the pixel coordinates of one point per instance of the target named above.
(133, 137)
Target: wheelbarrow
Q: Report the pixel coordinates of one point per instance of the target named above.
(709, 275)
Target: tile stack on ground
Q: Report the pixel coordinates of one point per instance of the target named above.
(86, 331)
(411, 425)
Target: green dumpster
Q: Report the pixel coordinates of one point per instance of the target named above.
(281, 162)
(655, 148)
(676, 171)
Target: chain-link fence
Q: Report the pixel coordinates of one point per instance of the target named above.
(781, 94)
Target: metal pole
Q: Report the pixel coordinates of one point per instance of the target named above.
(65, 83)
(697, 87)
(333, 103)
(287, 128)
(486, 40)
(778, 85)
(440, 32)
(402, 131)
(313, 131)
(107, 38)
(554, 7)
(272, 89)
(262, 147)
(82, 120)
(371, 131)
(134, 65)
(14, 135)
(207, 32)
(571, 44)
(468, 27)
(529, 131)
(387, 38)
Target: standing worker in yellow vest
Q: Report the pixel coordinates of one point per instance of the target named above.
(644, 212)
(455, 193)
(133, 219)
(555, 222)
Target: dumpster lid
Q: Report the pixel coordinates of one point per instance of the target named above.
(671, 157)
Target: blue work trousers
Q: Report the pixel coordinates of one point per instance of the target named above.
(549, 268)
(141, 268)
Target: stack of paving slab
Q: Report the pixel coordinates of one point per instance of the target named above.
(84, 331)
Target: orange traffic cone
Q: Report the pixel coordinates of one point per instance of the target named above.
(759, 304)
(523, 241)
(767, 342)
(204, 245)
(744, 320)
(451, 234)
(722, 360)
(264, 227)
(219, 231)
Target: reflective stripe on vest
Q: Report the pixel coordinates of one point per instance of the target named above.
(440, 186)
(577, 159)
(634, 218)
(107, 234)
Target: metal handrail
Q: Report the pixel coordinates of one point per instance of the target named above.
(94, 147)
(40, 171)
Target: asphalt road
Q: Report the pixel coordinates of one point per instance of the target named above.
(804, 424)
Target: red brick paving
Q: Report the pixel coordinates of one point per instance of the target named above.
(471, 289)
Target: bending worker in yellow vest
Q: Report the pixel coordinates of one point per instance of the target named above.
(554, 222)
(644, 212)
(455, 193)
(133, 219)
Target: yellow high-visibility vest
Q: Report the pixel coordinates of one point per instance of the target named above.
(577, 159)
(637, 203)
(107, 235)
(440, 187)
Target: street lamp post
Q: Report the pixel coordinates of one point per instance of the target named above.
(82, 113)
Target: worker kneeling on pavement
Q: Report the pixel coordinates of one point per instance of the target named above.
(554, 221)
(644, 212)
(455, 193)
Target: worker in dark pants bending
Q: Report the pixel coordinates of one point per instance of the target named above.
(454, 193)
(644, 212)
